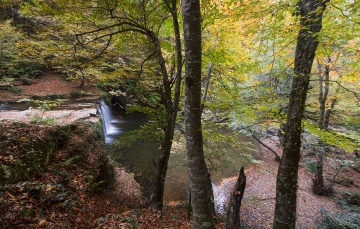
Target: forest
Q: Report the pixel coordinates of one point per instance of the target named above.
(267, 88)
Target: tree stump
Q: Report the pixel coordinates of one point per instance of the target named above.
(233, 214)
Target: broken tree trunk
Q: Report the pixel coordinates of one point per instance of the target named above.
(233, 215)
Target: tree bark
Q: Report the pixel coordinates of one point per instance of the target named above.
(311, 12)
(171, 109)
(202, 203)
(233, 214)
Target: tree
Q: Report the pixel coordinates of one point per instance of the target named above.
(8, 49)
(101, 22)
(201, 197)
(311, 12)
(171, 111)
(324, 119)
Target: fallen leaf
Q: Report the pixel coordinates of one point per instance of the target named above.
(42, 223)
(11, 196)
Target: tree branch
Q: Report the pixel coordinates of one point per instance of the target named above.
(142, 64)
(277, 157)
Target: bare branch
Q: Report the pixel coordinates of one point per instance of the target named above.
(142, 64)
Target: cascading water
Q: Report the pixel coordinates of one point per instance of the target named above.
(109, 129)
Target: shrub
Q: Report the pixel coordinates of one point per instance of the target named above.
(15, 90)
(25, 68)
(37, 117)
(311, 166)
(55, 96)
(75, 94)
(25, 80)
(338, 220)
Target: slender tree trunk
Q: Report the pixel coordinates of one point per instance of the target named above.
(324, 117)
(171, 109)
(321, 96)
(206, 86)
(207, 79)
(83, 78)
(319, 178)
(311, 12)
(199, 176)
(319, 187)
(161, 166)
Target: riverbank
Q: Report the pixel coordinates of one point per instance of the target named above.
(50, 86)
(55, 176)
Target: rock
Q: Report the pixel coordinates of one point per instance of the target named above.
(10, 174)
(23, 100)
(344, 181)
(352, 198)
(93, 112)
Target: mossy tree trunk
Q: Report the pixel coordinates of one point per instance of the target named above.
(311, 12)
(171, 108)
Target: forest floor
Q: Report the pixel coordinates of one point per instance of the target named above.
(259, 197)
(49, 85)
(105, 211)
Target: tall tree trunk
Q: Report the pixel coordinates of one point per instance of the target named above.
(324, 117)
(199, 176)
(311, 12)
(171, 110)
(319, 187)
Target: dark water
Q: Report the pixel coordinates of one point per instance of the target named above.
(139, 159)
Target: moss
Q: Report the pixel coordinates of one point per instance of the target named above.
(10, 174)
(311, 166)
(42, 151)
(105, 176)
(55, 139)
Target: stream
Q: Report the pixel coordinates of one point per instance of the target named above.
(139, 158)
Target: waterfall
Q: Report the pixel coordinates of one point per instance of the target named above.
(109, 129)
